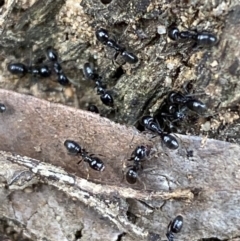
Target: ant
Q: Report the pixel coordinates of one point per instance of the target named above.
(21, 69)
(186, 101)
(53, 57)
(151, 124)
(42, 71)
(103, 37)
(105, 96)
(173, 112)
(200, 38)
(75, 149)
(174, 227)
(2, 108)
(138, 155)
(176, 107)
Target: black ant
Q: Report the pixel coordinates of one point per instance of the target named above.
(53, 57)
(103, 37)
(151, 124)
(173, 112)
(21, 69)
(187, 101)
(176, 107)
(2, 108)
(200, 38)
(174, 227)
(75, 149)
(138, 155)
(105, 96)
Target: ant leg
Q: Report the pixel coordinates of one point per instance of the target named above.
(115, 62)
(124, 32)
(86, 168)
(143, 183)
(79, 162)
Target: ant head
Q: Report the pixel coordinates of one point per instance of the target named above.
(173, 33)
(146, 120)
(141, 152)
(88, 71)
(52, 54)
(175, 98)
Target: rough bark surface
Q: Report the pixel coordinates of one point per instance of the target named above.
(45, 195)
(198, 187)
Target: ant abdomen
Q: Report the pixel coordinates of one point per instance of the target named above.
(206, 39)
(72, 147)
(174, 227)
(17, 69)
(96, 164)
(196, 106)
(131, 175)
(169, 141)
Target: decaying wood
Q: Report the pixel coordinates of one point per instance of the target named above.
(197, 187)
(44, 193)
(83, 190)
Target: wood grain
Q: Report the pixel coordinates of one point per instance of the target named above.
(37, 129)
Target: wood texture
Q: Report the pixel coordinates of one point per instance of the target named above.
(45, 195)
(203, 188)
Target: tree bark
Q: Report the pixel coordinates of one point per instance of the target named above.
(44, 193)
(170, 183)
